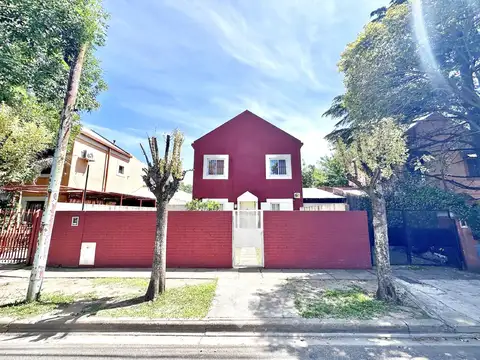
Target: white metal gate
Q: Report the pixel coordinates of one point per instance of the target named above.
(247, 238)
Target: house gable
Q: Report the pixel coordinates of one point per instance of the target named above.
(243, 124)
(239, 153)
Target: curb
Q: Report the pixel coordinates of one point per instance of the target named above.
(105, 325)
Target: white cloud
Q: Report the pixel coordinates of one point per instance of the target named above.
(276, 37)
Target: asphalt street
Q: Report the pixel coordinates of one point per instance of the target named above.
(221, 346)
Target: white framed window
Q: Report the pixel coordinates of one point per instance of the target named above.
(278, 166)
(215, 167)
(121, 170)
(275, 206)
(279, 204)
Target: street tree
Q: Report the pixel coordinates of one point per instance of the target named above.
(420, 58)
(369, 160)
(83, 27)
(417, 60)
(163, 176)
(37, 45)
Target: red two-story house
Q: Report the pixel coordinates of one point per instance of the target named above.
(248, 163)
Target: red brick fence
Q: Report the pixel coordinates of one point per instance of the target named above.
(292, 239)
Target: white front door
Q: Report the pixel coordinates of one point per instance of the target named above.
(247, 244)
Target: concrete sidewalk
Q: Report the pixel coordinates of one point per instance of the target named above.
(7, 271)
(261, 300)
(450, 295)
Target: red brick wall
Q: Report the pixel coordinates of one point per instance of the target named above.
(316, 239)
(293, 239)
(125, 239)
(199, 239)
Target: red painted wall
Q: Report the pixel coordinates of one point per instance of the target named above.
(316, 240)
(126, 238)
(247, 138)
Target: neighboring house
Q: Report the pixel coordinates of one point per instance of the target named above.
(114, 176)
(248, 163)
(321, 200)
(456, 164)
(179, 201)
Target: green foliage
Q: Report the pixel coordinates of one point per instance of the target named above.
(374, 154)
(327, 172)
(411, 193)
(25, 131)
(419, 58)
(199, 205)
(333, 171)
(186, 187)
(39, 42)
(311, 176)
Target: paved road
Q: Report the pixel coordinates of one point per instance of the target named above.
(131, 346)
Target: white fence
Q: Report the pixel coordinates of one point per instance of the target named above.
(325, 207)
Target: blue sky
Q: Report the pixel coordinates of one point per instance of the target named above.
(194, 64)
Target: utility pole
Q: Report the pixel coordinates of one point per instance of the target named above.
(53, 192)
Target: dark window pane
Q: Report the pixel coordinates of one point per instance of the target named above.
(220, 166)
(212, 165)
(282, 167)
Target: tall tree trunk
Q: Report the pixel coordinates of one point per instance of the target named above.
(386, 288)
(157, 279)
(53, 192)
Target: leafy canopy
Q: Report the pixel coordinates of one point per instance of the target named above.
(417, 59)
(327, 172)
(24, 133)
(38, 43)
(373, 155)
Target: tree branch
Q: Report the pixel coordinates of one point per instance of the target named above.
(375, 178)
(149, 164)
(453, 182)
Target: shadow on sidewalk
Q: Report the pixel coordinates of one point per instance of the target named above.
(281, 301)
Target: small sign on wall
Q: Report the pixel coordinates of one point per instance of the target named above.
(75, 220)
(87, 253)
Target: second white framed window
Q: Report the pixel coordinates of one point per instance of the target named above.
(278, 166)
(215, 167)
